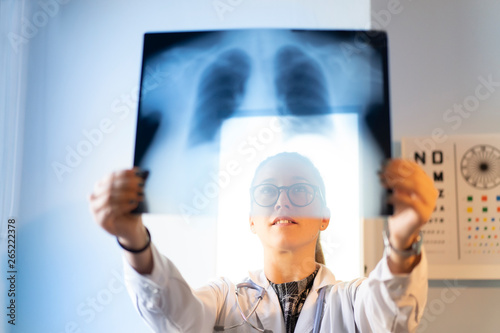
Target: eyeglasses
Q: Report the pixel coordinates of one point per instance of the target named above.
(300, 194)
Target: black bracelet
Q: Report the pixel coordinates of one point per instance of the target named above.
(140, 250)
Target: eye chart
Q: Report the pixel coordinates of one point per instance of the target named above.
(462, 237)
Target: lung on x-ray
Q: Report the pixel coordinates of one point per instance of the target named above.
(214, 104)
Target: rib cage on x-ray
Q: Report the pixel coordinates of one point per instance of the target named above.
(206, 78)
(220, 92)
(300, 86)
(301, 89)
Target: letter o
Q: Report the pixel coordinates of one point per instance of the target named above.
(269, 134)
(113, 289)
(467, 103)
(108, 297)
(84, 148)
(361, 40)
(274, 124)
(445, 298)
(436, 310)
(211, 190)
(308, 264)
(376, 25)
(422, 326)
(40, 19)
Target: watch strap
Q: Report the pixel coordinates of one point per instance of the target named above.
(413, 250)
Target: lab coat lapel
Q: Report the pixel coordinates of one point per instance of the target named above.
(269, 311)
(306, 317)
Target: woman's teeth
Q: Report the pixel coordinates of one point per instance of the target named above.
(283, 222)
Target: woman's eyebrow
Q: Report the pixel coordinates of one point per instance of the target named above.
(301, 178)
(295, 177)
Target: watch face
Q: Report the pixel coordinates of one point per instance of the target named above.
(480, 166)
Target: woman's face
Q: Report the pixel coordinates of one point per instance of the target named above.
(284, 226)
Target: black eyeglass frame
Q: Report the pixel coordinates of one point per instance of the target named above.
(287, 188)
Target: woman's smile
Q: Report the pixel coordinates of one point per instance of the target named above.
(283, 221)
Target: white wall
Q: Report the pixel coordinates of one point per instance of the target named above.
(83, 62)
(438, 50)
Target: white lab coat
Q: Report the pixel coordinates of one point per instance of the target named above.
(380, 303)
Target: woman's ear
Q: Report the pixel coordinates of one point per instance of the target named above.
(325, 221)
(252, 224)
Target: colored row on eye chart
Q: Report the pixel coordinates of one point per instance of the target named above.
(462, 237)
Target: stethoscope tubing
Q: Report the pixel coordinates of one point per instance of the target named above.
(250, 284)
(319, 309)
(262, 292)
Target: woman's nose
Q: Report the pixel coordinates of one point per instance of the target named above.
(283, 200)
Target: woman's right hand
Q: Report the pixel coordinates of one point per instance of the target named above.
(113, 199)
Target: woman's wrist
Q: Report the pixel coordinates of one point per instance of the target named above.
(402, 265)
(136, 238)
(407, 247)
(135, 249)
(402, 254)
(138, 249)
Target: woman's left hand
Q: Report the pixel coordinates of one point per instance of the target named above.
(413, 197)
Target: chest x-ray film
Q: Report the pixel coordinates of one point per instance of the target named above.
(214, 104)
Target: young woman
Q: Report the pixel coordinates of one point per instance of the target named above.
(293, 292)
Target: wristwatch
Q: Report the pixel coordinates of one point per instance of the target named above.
(413, 250)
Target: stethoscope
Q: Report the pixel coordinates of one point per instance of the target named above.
(261, 292)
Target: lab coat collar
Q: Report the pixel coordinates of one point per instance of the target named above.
(306, 318)
(323, 277)
(305, 323)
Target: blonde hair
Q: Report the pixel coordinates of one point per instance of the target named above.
(319, 257)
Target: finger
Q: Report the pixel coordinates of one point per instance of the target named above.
(409, 176)
(403, 167)
(105, 220)
(111, 197)
(107, 215)
(398, 204)
(396, 169)
(119, 202)
(405, 184)
(405, 171)
(125, 206)
(402, 200)
(124, 180)
(424, 190)
(127, 184)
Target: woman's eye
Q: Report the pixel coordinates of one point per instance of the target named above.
(300, 189)
(267, 190)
